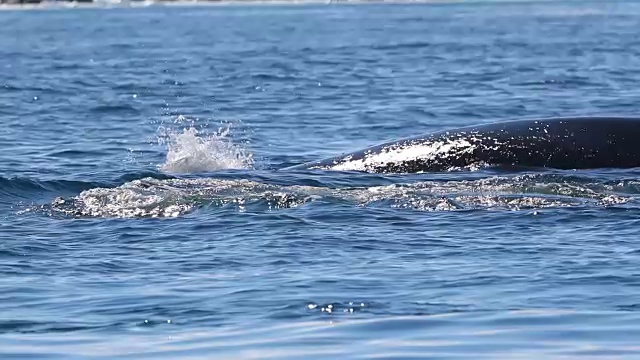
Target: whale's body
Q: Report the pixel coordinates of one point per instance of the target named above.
(560, 143)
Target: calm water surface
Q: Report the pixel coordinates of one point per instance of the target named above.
(143, 212)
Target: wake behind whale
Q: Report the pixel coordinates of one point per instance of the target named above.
(560, 143)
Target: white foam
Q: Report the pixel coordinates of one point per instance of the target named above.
(191, 151)
(175, 197)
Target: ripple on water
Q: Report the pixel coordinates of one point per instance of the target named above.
(518, 334)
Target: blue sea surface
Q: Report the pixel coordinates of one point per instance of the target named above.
(145, 212)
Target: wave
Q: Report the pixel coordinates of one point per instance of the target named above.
(557, 333)
(37, 327)
(405, 45)
(21, 188)
(151, 197)
(115, 108)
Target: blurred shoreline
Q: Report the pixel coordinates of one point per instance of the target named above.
(63, 4)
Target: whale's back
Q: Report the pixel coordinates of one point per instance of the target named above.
(561, 143)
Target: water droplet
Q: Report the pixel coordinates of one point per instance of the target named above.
(35, 98)
(168, 321)
(134, 96)
(312, 306)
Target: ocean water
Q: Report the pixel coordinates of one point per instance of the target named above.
(144, 212)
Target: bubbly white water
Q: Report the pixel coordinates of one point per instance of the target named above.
(193, 151)
(174, 197)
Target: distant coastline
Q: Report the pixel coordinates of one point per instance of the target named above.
(61, 4)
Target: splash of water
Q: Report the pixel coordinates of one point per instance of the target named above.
(192, 151)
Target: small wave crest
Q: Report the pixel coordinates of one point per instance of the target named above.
(22, 187)
(190, 150)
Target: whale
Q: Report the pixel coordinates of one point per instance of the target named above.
(558, 143)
